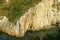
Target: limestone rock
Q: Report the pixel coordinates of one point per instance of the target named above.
(40, 17)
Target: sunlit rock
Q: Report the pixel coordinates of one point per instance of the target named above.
(40, 17)
(7, 1)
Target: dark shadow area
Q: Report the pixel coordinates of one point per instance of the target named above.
(52, 34)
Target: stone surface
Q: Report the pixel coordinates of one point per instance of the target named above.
(40, 17)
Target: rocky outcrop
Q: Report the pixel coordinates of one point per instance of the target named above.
(40, 17)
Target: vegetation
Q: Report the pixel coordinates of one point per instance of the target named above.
(15, 8)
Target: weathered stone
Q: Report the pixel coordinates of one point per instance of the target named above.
(40, 17)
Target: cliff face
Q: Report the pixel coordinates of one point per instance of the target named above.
(40, 17)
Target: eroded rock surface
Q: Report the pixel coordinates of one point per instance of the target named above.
(40, 17)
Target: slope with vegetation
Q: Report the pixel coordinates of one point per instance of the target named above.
(14, 10)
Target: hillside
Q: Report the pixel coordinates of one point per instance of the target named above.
(29, 19)
(15, 8)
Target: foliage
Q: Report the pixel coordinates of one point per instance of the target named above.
(16, 8)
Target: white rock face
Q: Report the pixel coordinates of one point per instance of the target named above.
(40, 17)
(44, 15)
